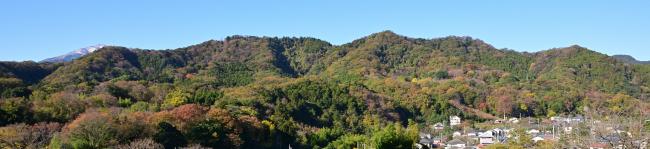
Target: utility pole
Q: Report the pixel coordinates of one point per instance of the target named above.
(553, 131)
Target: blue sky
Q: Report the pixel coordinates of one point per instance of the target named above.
(34, 30)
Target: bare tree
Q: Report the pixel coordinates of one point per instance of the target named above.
(26, 136)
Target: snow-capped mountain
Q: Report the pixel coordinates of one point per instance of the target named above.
(74, 54)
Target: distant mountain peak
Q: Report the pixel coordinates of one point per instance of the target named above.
(384, 36)
(386, 33)
(629, 59)
(74, 54)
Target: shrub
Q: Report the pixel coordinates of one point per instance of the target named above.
(92, 130)
(141, 144)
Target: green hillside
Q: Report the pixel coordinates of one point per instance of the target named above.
(267, 92)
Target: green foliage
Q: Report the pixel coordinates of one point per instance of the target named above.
(204, 97)
(56, 142)
(232, 74)
(12, 87)
(93, 133)
(302, 54)
(28, 72)
(394, 137)
(347, 141)
(317, 104)
(523, 139)
(441, 74)
(143, 107)
(157, 66)
(622, 104)
(323, 137)
(14, 110)
(60, 107)
(124, 102)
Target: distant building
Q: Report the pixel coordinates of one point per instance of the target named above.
(486, 138)
(455, 144)
(457, 134)
(537, 139)
(532, 131)
(578, 119)
(557, 118)
(439, 126)
(513, 120)
(454, 120)
(471, 133)
(427, 141)
(568, 120)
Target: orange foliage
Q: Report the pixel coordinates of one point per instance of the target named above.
(188, 112)
(222, 116)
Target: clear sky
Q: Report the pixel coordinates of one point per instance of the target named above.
(34, 30)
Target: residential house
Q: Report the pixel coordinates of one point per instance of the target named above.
(454, 120)
(578, 119)
(425, 143)
(532, 131)
(537, 139)
(457, 134)
(439, 126)
(471, 133)
(513, 120)
(420, 146)
(455, 144)
(568, 120)
(428, 141)
(486, 137)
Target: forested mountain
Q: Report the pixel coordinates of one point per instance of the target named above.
(15, 77)
(267, 92)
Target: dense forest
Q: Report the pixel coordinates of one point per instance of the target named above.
(268, 92)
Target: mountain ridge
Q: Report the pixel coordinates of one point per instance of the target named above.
(269, 45)
(376, 57)
(629, 59)
(74, 54)
(294, 89)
